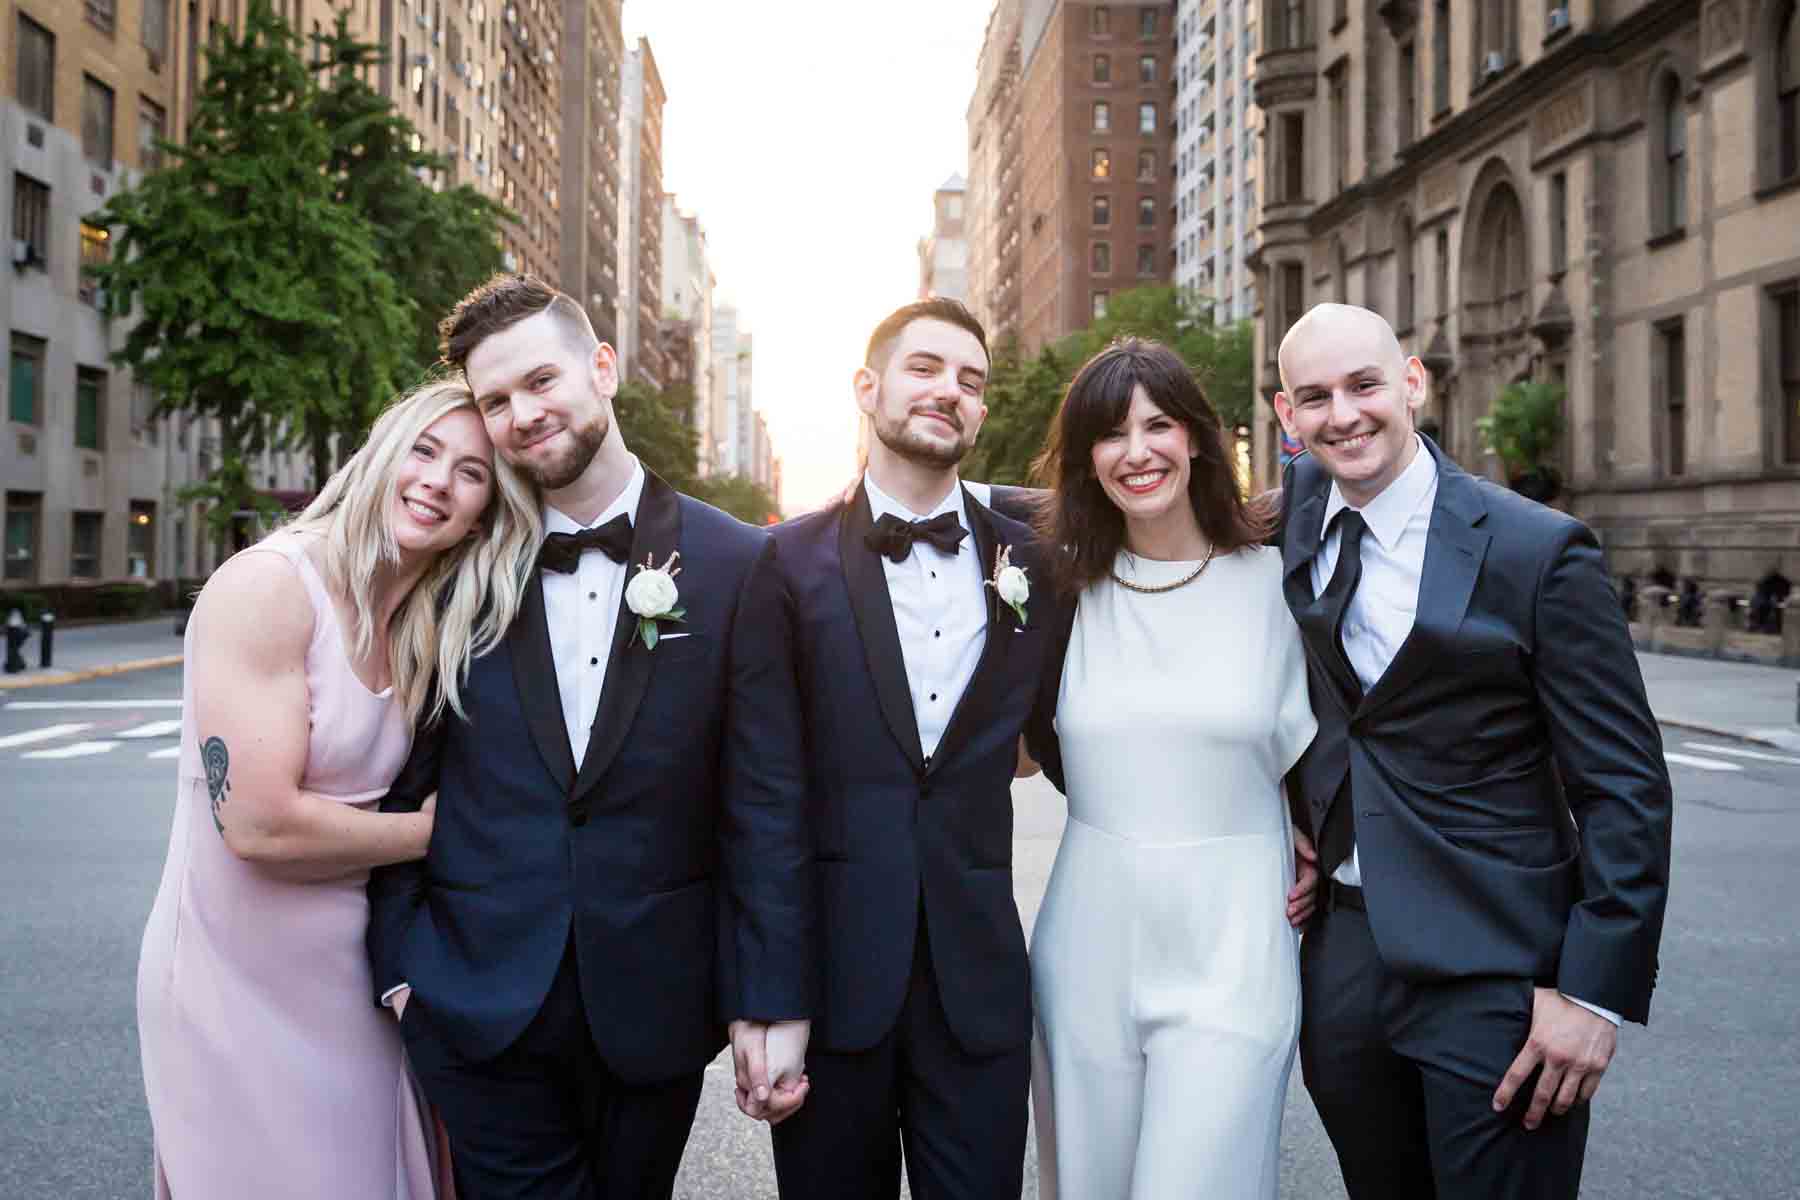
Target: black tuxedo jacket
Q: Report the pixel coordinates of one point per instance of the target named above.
(676, 852)
(893, 831)
(1512, 806)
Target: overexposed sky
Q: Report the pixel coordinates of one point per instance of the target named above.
(809, 136)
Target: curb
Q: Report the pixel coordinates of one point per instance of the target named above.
(1719, 731)
(59, 677)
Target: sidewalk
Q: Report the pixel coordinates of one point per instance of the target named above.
(90, 651)
(1724, 699)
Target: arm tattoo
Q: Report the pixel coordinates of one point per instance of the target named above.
(217, 760)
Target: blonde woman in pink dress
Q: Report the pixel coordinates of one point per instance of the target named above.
(310, 659)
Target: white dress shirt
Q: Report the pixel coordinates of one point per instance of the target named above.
(940, 612)
(1381, 611)
(582, 611)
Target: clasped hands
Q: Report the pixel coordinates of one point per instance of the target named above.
(770, 1060)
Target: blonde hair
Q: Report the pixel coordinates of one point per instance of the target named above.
(461, 607)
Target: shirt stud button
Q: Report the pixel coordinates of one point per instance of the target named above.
(593, 595)
(593, 662)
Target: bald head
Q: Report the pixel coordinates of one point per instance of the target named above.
(1342, 324)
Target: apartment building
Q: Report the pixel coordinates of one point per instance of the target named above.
(590, 167)
(641, 218)
(1219, 130)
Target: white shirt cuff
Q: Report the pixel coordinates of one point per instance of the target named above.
(1608, 1013)
(387, 997)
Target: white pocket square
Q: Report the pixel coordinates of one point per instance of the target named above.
(669, 637)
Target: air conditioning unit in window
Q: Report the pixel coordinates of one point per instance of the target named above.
(1559, 19)
(1492, 64)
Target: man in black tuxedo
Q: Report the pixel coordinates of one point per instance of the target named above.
(916, 678)
(620, 864)
(1487, 792)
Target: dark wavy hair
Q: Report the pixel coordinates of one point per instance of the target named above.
(1075, 513)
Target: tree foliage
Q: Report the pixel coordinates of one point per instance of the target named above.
(1523, 425)
(1025, 391)
(739, 496)
(655, 426)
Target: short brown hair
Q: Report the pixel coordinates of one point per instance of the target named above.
(1078, 515)
(499, 304)
(938, 308)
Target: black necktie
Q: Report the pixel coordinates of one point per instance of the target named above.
(1339, 835)
(562, 552)
(894, 537)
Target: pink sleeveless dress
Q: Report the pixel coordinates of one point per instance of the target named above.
(269, 1070)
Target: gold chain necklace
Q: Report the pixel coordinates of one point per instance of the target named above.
(1151, 590)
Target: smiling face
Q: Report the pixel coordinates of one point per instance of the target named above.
(545, 398)
(443, 484)
(926, 399)
(1349, 395)
(1143, 464)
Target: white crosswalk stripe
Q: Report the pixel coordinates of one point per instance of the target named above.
(1699, 764)
(73, 750)
(165, 752)
(1739, 752)
(151, 730)
(48, 705)
(47, 733)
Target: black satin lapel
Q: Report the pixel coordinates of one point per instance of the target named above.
(1453, 555)
(874, 612)
(655, 534)
(1001, 622)
(534, 673)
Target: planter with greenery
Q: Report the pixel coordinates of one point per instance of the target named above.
(1522, 428)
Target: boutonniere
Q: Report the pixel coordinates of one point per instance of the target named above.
(652, 596)
(1010, 583)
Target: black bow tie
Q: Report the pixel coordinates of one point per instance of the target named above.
(894, 537)
(562, 552)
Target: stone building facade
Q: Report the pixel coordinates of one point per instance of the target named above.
(1603, 196)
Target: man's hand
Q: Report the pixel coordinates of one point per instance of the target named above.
(398, 1002)
(1573, 1045)
(770, 1060)
(1304, 895)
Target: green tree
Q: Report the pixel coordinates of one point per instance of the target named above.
(260, 301)
(437, 245)
(737, 495)
(655, 428)
(1522, 427)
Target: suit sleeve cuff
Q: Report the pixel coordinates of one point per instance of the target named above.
(387, 997)
(1608, 1013)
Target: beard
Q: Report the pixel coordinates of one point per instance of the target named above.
(900, 439)
(563, 469)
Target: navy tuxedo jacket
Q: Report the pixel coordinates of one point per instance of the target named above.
(1512, 804)
(676, 852)
(893, 833)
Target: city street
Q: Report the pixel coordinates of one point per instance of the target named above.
(1700, 1104)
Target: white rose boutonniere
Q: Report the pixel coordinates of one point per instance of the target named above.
(1010, 583)
(652, 596)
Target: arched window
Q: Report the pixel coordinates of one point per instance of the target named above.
(1670, 185)
(1405, 279)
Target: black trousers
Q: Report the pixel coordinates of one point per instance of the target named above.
(1403, 1075)
(546, 1120)
(960, 1117)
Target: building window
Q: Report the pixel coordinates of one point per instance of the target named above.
(1787, 339)
(1099, 306)
(1102, 69)
(1671, 340)
(1339, 84)
(1147, 68)
(1291, 31)
(95, 251)
(37, 69)
(1670, 186)
(84, 546)
(97, 122)
(1102, 164)
(1102, 211)
(1495, 39)
(1440, 57)
(1443, 274)
(144, 424)
(1146, 166)
(1146, 118)
(23, 511)
(1340, 14)
(1406, 280)
(1292, 296)
(1101, 21)
(90, 409)
(31, 219)
(1787, 93)
(1408, 110)
(1102, 116)
(100, 14)
(1147, 22)
(153, 125)
(1100, 259)
(1559, 223)
(140, 540)
(1293, 157)
(154, 32)
(25, 382)
(1146, 213)
(1146, 264)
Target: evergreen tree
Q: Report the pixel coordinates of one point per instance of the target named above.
(259, 300)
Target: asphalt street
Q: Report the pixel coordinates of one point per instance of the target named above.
(1701, 1104)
